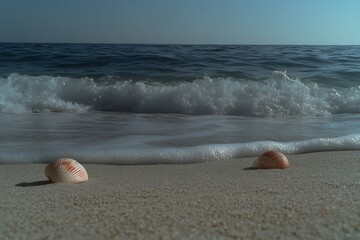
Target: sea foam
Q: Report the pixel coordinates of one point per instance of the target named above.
(182, 155)
(278, 95)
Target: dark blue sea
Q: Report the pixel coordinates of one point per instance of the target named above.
(145, 104)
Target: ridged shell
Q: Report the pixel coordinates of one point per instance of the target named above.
(272, 160)
(66, 170)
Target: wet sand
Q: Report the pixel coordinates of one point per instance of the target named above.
(318, 197)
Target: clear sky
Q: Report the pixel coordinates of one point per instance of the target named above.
(181, 21)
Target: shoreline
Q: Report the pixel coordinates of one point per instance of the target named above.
(316, 198)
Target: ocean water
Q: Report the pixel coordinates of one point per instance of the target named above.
(146, 104)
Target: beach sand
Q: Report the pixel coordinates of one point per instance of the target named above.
(318, 197)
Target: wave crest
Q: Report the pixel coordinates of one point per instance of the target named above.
(278, 95)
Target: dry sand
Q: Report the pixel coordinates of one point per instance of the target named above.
(317, 198)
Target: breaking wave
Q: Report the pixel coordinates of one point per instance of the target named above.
(278, 95)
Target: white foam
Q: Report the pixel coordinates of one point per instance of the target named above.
(21, 94)
(195, 154)
(279, 95)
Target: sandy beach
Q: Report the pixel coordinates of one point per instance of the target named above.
(318, 197)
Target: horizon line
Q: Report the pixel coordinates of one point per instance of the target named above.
(199, 44)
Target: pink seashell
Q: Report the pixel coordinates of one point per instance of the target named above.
(66, 170)
(271, 160)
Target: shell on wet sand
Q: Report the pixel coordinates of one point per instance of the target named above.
(271, 160)
(66, 170)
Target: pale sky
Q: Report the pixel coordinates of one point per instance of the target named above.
(181, 21)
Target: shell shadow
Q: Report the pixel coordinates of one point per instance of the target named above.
(250, 168)
(33, 184)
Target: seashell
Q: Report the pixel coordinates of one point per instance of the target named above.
(271, 160)
(66, 170)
